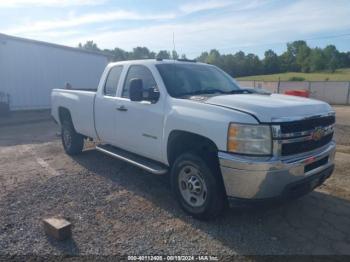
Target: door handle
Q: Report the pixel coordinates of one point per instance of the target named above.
(122, 108)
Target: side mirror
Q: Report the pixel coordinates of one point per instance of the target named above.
(153, 95)
(136, 90)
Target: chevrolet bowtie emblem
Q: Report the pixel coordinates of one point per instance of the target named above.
(318, 133)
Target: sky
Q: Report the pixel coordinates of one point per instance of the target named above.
(252, 26)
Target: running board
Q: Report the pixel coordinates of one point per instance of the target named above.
(139, 161)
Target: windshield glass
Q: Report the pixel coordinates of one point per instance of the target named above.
(195, 79)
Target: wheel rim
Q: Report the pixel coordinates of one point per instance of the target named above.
(67, 138)
(192, 186)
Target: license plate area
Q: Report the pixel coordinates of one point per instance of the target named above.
(307, 184)
(316, 164)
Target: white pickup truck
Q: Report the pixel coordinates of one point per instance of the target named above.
(220, 143)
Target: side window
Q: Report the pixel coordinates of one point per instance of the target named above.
(142, 72)
(112, 81)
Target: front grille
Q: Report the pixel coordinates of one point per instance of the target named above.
(305, 146)
(307, 124)
(302, 132)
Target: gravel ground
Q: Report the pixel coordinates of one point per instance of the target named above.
(116, 208)
(343, 124)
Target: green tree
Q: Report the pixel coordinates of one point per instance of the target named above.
(229, 65)
(253, 65)
(271, 62)
(203, 57)
(117, 54)
(287, 62)
(344, 59)
(317, 60)
(214, 58)
(332, 56)
(174, 55)
(298, 57)
(120, 54)
(142, 53)
(302, 56)
(295, 59)
(239, 63)
(163, 54)
(89, 45)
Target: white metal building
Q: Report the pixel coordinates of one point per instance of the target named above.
(30, 69)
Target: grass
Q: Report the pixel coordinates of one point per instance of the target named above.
(339, 75)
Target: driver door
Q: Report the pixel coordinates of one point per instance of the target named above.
(140, 124)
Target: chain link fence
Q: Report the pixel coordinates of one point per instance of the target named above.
(333, 92)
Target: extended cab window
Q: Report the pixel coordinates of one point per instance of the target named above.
(112, 81)
(141, 72)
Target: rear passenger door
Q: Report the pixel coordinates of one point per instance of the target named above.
(140, 124)
(105, 106)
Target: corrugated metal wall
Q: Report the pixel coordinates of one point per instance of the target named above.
(29, 71)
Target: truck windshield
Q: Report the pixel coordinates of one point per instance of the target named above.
(196, 79)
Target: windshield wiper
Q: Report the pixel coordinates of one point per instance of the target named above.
(214, 91)
(202, 92)
(240, 91)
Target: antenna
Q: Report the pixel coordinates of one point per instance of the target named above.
(173, 41)
(173, 55)
(174, 49)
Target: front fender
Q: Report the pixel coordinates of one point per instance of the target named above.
(205, 120)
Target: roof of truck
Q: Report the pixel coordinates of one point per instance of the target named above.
(156, 61)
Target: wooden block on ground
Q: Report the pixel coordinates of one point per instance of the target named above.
(58, 228)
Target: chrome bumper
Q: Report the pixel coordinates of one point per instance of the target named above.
(253, 178)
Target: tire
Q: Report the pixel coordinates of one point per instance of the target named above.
(72, 142)
(197, 186)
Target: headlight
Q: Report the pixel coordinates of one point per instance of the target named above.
(249, 139)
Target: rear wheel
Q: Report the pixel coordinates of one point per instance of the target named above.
(197, 186)
(73, 142)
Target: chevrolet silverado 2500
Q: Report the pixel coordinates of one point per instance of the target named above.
(218, 141)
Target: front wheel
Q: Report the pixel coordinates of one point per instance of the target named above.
(73, 142)
(197, 186)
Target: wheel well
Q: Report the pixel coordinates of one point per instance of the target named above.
(182, 141)
(64, 114)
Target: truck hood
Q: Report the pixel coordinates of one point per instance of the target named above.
(269, 107)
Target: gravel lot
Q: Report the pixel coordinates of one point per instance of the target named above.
(116, 208)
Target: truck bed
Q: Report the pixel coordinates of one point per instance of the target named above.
(81, 106)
